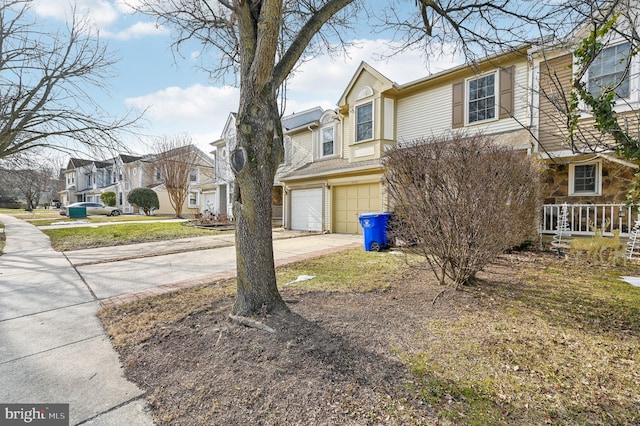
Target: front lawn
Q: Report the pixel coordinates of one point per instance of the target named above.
(59, 219)
(536, 341)
(76, 238)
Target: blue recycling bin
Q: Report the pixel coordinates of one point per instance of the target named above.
(374, 228)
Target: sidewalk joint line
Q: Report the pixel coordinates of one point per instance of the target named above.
(51, 349)
(115, 407)
(47, 310)
(95, 298)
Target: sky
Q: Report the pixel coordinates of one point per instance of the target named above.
(180, 98)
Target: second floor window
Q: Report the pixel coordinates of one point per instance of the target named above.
(364, 122)
(327, 141)
(609, 70)
(193, 175)
(482, 99)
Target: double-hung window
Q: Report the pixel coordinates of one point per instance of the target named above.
(584, 179)
(328, 146)
(609, 71)
(364, 122)
(482, 99)
(193, 199)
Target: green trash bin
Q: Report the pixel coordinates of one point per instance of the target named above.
(77, 212)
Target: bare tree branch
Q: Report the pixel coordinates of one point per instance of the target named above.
(43, 97)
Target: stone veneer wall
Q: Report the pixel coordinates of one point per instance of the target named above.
(615, 181)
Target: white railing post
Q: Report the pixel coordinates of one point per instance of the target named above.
(581, 215)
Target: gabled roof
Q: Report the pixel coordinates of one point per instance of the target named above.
(129, 158)
(364, 67)
(74, 163)
(302, 119)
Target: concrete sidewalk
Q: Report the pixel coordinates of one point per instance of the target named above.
(52, 346)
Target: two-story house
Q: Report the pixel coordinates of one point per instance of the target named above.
(344, 180)
(201, 191)
(86, 180)
(297, 152)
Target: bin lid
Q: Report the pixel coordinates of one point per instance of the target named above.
(374, 214)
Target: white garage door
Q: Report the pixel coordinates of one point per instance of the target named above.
(306, 210)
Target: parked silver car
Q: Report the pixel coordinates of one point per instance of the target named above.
(93, 209)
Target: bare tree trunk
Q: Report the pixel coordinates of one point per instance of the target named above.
(259, 132)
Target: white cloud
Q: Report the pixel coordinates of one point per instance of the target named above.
(137, 30)
(202, 110)
(102, 14)
(198, 110)
(127, 6)
(322, 81)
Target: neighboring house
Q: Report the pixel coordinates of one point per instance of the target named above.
(201, 192)
(297, 152)
(78, 181)
(517, 98)
(86, 180)
(593, 184)
(224, 178)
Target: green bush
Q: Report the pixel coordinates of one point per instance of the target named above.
(108, 198)
(145, 199)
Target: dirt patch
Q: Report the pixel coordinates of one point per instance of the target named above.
(332, 361)
(346, 358)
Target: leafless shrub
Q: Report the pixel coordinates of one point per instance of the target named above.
(461, 201)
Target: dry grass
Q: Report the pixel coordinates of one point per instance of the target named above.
(135, 322)
(34, 214)
(353, 270)
(536, 341)
(560, 346)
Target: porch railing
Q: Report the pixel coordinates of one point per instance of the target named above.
(583, 218)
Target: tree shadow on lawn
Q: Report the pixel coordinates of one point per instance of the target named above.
(202, 370)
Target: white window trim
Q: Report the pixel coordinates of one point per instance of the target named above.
(622, 104)
(321, 141)
(197, 203)
(355, 122)
(572, 174)
(496, 96)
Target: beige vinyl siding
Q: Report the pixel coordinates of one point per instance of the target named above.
(424, 114)
(555, 87)
(430, 113)
(301, 149)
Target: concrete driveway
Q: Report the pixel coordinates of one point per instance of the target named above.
(111, 272)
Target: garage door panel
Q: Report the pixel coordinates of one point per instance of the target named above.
(350, 202)
(306, 210)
